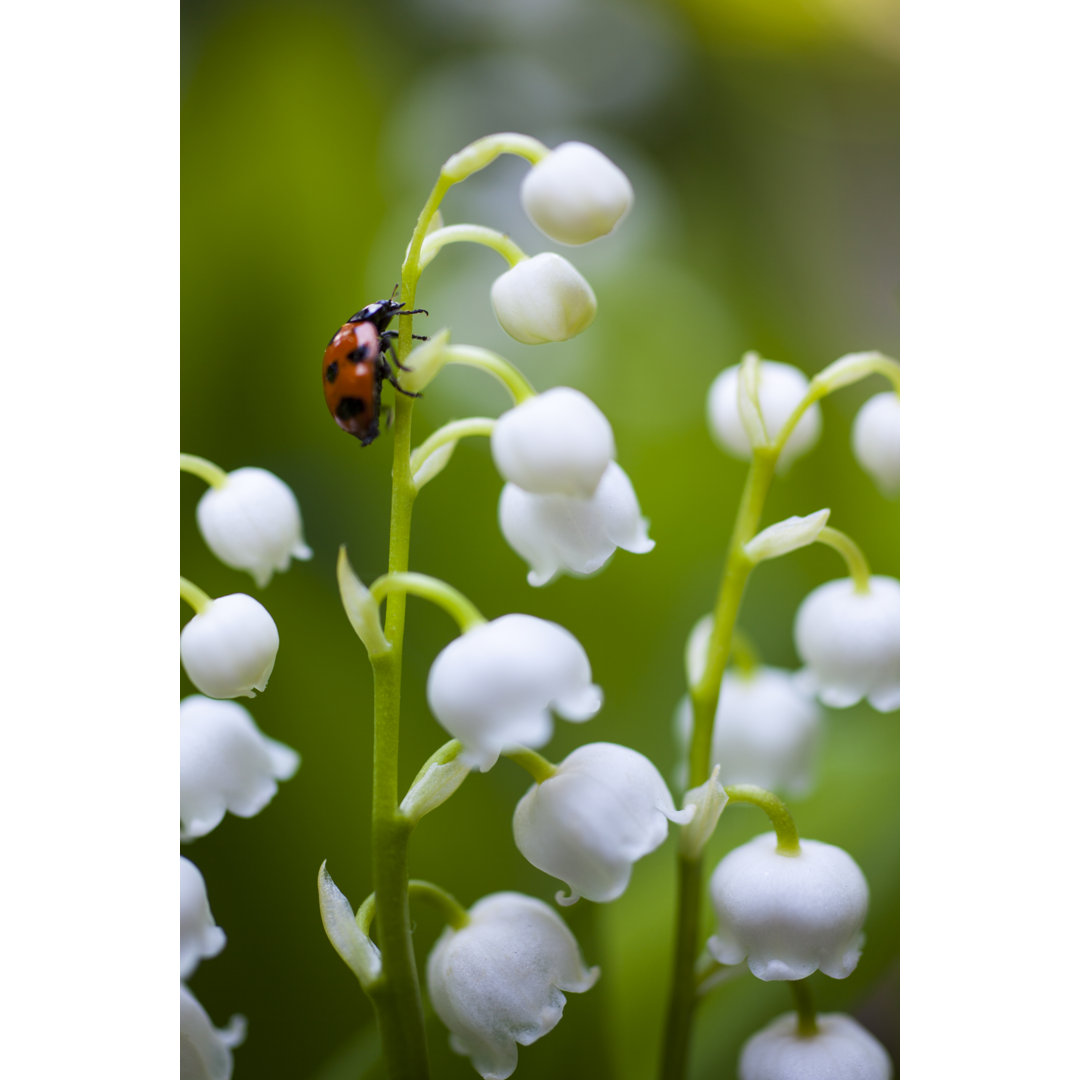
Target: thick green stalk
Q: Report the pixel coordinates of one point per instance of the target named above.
(705, 696)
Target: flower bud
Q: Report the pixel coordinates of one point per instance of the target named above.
(789, 915)
(200, 936)
(576, 194)
(206, 1051)
(603, 809)
(840, 1049)
(229, 649)
(850, 642)
(496, 686)
(500, 980)
(564, 533)
(226, 763)
(543, 299)
(875, 438)
(253, 523)
(780, 388)
(557, 443)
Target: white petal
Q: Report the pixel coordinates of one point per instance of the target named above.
(558, 442)
(229, 649)
(875, 438)
(226, 763)
(840, 1050)
(200, 936)
(205, 1051)
(543, 299)
(576, 194)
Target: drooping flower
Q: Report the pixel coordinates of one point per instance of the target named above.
(229, 648)
(767, 730)
(789, 915)
(501, 980)
(840, 1049)
(200, 936)
(206, 1051)
(253, 523)
(543, 299)
(557, 443)
(497, 685)
(850, 642)
(226, 763)
(605, 807)
(875, 438)
(565, 533)
(576, 194)
(780, 388)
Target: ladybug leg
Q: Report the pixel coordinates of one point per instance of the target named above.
(387, 372)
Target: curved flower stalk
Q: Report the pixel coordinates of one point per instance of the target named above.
(838, 1049)
(603, 808)
(496, 686)
(789, 914)
(502, 979)
(226, 764)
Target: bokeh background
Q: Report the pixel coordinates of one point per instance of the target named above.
(761, 139)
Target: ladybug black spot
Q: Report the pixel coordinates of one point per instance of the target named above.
(349, 407)
(331, 372)
(359, 353)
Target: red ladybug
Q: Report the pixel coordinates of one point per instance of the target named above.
(355, 364)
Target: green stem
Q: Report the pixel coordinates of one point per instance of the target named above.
(435, 241)
(450, 433)
(191, 594)
(858, 567)
(454, 915)
(804, 1006)
(536, 765)
(705, 696)
(473, 356)
(787, 837)
(743, 654)
(206, 470)
(453, 602)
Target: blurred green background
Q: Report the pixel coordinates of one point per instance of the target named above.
(762, 142)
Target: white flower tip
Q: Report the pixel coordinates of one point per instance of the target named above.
(576, 194)
(567, 899)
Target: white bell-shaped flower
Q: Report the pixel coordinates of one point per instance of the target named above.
(603, 809)
(226, 763)
(229, 649)
(875, 438)
(789, 915)
(543, 299)
(767, 730)
(200, 936)
(840, 1049)
(206, 1051)
(496, 685)
(253, 523)
(780, 388)
(565, 533)
(500, 980)
(576, 194)
(850, 642)
(557, 443)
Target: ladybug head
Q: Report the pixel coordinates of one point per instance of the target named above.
(379, 314)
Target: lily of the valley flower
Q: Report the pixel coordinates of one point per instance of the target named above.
(875, 438)
(206, 1051)
(789, 915)
(501, 980)
(543, 299)
(576, 194)
(850, 642)
(497, 685)
(229, 648)
(200, 936)
(226, 763)
(780, 388)
(840, 1049)
(565, 533)
(603, 809)
(556, 443)
(253, 523)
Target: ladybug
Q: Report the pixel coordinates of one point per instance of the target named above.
(354, 366)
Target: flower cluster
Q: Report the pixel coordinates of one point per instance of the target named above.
(251, 521)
